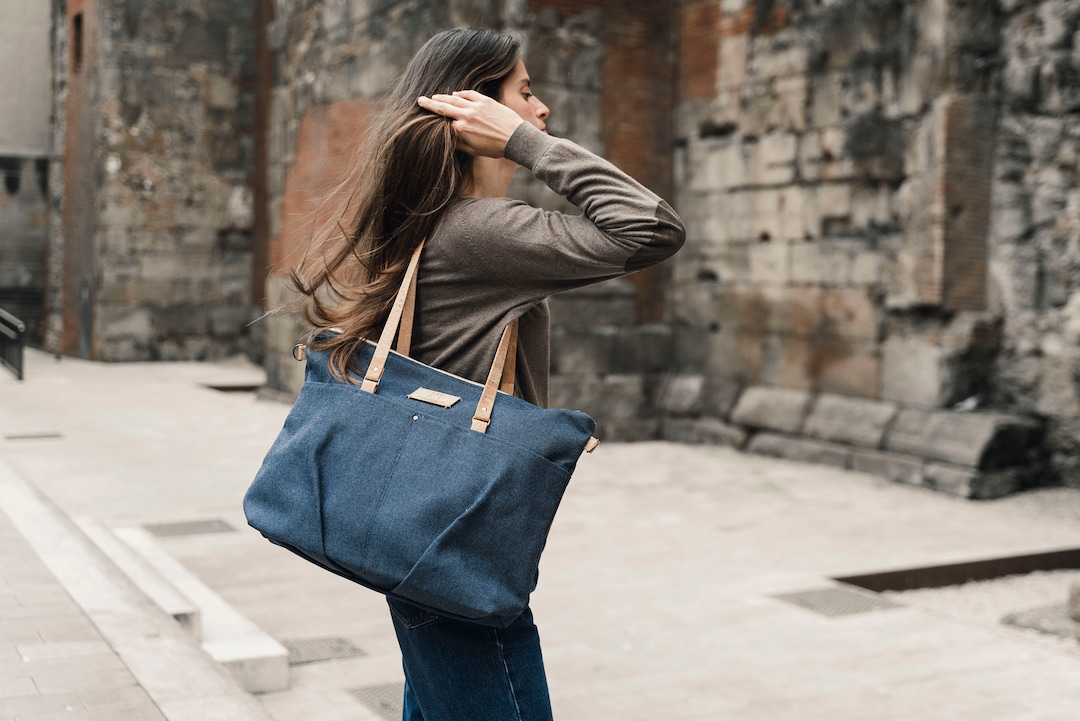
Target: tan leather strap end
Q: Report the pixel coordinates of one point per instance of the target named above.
(509, 373)
(496, 377)
(591, 444)
(382, 351)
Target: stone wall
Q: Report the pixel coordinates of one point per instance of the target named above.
(605, 68)
(1034, 238)
(880, 197)
(152, 217)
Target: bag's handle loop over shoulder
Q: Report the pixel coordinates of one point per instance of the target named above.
(393, 322)
(399, 323)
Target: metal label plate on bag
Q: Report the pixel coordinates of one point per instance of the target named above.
(435, 398)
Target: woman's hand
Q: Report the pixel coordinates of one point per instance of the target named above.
(483, 125)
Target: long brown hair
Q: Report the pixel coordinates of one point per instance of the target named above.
(408, 173)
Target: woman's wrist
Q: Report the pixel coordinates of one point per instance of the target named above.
(527, 145)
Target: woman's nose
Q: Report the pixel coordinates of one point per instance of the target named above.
(542, 111)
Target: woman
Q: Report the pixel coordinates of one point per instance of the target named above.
(439, 165)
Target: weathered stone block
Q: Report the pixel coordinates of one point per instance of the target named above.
(229, 321)
(897, 467)
(788, 361)
(826, 206)
(643, 349)
(681, 395)
(799, 449)
(821, 263)
(219, 93)
(977, 440)
(847, 367)
(974, 483)
(849, 420)
(851, 313)
(788, 111)
(609, 398)
(1059, 389)
(628, 430)
(116, 322)
(769, 263)
(914, 372)
(702, 430)
(735, 356)
(773, 160)
(719, 396)
(604, 349)
(777, 409)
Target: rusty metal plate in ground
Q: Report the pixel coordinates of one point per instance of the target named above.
(385, 700)
(837, 601)
(188, 528)
(312, 650)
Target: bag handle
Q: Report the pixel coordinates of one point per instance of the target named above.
(399, 323)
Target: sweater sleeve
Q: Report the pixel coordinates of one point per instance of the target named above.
(623, 227)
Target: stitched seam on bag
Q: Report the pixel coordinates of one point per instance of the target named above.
(378, 504)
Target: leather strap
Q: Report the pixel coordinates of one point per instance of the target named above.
(393, 321)
(404, 335)
(399, 323)
(496, 377)
(509, 373)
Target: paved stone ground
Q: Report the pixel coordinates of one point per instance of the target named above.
(659, 588)
(54, 662)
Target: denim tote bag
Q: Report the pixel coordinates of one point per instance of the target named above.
(416, 483)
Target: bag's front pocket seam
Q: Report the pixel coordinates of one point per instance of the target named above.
(366, 544)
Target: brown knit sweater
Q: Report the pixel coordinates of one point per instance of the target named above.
(492, 260)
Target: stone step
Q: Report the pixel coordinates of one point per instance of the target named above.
(253, 657)
(145, 576)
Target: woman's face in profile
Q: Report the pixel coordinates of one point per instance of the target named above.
(517, 95)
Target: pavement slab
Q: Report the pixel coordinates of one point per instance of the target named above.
(663, 586)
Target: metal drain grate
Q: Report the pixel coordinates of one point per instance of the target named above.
(837, 601)
(311, 650)
(188, 528)
(384, 700)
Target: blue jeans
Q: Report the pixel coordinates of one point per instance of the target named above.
(460, 671)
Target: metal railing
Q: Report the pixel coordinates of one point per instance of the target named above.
(12, 343)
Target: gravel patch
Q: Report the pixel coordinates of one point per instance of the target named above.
(988, 602)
